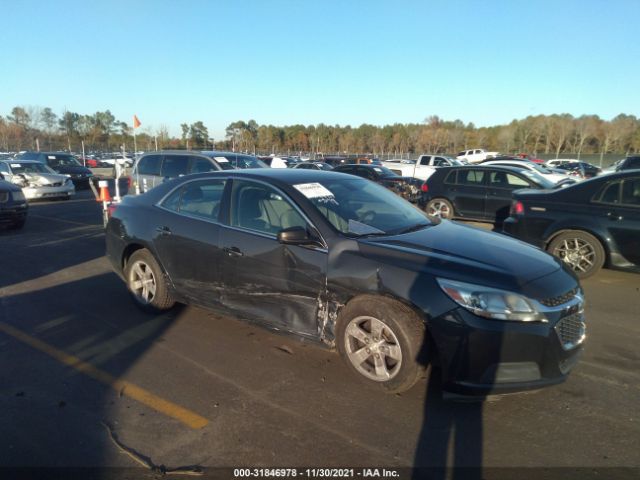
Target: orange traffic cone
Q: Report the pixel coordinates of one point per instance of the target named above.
(105, 196)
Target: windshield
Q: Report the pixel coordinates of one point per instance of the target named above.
(18, 168)
(358, 207)
(62, 161)
(385, 172)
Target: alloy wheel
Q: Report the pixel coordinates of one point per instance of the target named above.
(579, 254)
(142, 282)
(373, 348)
(438, 208)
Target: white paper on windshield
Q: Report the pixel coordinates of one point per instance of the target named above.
(15, 165)
(221, 159)
(51, 157)
(377, 169)
(314, 190)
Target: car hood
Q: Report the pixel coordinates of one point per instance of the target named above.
(468, 254)
(43, 179)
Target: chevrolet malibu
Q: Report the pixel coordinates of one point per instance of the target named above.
(344, 261)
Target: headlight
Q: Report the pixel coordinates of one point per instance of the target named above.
(492, 303)
(68, 181)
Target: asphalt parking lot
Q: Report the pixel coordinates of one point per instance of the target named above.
(86, 377)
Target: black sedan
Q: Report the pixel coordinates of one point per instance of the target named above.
(346, 262)
(476, 192)
(587, 225)
(13, 205)
(580, 169)
(407, 187)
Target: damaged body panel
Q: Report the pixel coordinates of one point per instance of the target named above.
(343, 261)
(37, 180)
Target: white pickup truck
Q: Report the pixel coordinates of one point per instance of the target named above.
(421, 168)
(475, 155)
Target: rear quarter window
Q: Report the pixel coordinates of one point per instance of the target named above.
(451, 178)
(471, 177)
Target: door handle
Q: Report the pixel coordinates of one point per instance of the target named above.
(614, 216)
(163, 230)
(233, 251)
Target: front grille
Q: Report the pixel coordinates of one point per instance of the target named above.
(571, 330)
(560, 299)
(55, 184)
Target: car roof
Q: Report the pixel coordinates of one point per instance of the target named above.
(504, 168)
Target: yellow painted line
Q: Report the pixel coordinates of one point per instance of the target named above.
(189, 418)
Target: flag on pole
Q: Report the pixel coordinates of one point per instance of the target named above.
(136, 122)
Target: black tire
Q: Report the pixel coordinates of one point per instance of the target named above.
(582, 252)
(439, 207)
(142, 267)
(403, 329)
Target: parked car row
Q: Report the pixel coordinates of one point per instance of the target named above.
(587, 224)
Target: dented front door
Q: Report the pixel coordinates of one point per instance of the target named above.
(280, 285)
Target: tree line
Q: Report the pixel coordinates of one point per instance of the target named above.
(29, 127)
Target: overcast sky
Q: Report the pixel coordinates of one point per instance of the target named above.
(336, 62)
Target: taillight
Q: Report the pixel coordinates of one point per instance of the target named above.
(424, 187)
(517, 208)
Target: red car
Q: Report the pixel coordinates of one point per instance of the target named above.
(526, 156)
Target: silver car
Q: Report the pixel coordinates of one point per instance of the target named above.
(37, 180)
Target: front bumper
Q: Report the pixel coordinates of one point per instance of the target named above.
(480, 356)
(81, 181)
(38, 193)
(11, 214)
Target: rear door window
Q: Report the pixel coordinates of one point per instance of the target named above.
(471, 177)
(506, 180)
(150, 165)
(174, 165)
(199, 199)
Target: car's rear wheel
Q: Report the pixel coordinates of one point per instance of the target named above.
(439, 207)
(147, 283)
(383, 341)
(581, 251)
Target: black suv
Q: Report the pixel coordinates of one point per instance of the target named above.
(64, 163)
(587, 225)
(629, 163)
(480, 192)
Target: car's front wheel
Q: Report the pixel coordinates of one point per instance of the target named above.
(147, 283)
(383, 341)
(439, 207)
(581, 251)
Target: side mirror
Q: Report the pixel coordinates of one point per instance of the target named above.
(295, 236)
